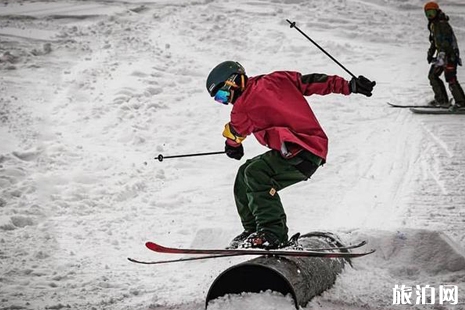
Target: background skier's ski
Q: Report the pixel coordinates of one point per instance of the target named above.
(424, 106)
(435, 111)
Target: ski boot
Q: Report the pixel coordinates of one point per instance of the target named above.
(263, 240)
(239, 239)
(459, 97)
(438, 104)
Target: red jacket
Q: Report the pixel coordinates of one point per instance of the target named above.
(273, 108)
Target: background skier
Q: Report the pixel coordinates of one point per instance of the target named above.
(444, 43)
(274, 109)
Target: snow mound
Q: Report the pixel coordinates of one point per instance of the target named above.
(409, 252)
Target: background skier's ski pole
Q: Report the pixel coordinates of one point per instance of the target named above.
(297, 28)
(161, 157)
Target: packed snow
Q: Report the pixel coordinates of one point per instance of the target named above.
(92, 92)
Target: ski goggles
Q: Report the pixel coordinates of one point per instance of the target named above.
(225, 93)
(222, 96)
(431, 13)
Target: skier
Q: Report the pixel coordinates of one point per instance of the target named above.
(274, 109)
(443, 41)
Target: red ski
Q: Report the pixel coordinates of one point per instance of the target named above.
(283, 252)
(341, 252)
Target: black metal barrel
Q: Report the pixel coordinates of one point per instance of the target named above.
(302, 277)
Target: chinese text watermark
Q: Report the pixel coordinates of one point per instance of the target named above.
(425, 295)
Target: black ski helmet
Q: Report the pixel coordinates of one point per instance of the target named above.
(221, 73)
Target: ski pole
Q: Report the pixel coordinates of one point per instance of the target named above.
(161, 157)
(327, 54)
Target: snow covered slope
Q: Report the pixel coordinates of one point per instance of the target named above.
(92, 91)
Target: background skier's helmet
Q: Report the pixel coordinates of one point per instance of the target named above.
(431, 6)
(221, 73)
(431, 9)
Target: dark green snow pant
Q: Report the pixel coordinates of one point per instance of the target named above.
(256, 189)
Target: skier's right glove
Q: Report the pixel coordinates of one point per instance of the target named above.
(430, 57)
(362, 85)
(235, 152)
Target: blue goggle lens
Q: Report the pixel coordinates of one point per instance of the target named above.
(222, 96)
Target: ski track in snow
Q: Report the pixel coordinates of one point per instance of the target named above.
(92, 91)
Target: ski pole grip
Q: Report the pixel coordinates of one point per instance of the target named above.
(292, 24)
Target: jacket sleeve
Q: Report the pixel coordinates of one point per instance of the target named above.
(322, 84)
(432, 46)
(238, 128)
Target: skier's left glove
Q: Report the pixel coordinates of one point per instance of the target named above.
(429, 57)
(361, 85)
(233, 151)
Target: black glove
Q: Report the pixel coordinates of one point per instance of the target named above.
(362, 85)
(457, 57)
(235, 152)
(429, 57)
